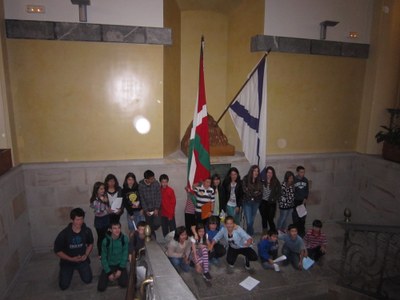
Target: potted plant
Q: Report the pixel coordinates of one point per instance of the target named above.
(391, 137)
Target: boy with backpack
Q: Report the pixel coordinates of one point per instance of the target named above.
(114, 258)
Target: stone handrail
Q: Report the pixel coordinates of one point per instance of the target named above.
(167, 284)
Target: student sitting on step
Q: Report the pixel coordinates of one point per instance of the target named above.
(293, 248)
(268, 250)
(315, 241)
(218, 250)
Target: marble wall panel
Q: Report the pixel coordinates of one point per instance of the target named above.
(343, 178)
(19, 205)
(11, 267)
(38, 197)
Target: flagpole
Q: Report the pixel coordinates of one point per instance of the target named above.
(244, 84)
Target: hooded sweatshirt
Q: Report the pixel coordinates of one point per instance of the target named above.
(114, 252)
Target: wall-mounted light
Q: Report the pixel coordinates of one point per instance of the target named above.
(35, 9)
(82, 9)
(324, 24)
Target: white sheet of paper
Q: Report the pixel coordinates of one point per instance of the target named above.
(301, 210)
(116, 204)
(307, 263)
(249, 283)
(280, 258)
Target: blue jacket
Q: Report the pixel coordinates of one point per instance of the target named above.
(265, 247)
(239, 237)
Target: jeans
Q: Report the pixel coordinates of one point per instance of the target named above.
(315, 253)
(292, 257)
(135, 218)
(300, 223)
(230, 211)
(101, 234)
(179, 262)
(283, 215)
(267, 212)
(103, 279)
(250, 210)
(67, 270)
(167, 225)
(233, 253)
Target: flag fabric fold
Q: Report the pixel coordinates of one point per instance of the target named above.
(199, 141)
(249, 114)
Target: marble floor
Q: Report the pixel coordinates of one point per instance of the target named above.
(39, 280)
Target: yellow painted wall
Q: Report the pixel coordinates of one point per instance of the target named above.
(172, 79)
(313, 103)
(214, 27)
(76, 101)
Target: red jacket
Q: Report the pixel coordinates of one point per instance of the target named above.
(168, 202)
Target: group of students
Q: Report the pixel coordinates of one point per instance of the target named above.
(199, 242)
(146, 202)
(257, 191)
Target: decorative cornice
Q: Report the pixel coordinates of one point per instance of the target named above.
(63, 31)
(308, 46)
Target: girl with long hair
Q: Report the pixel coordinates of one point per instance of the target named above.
(233, 192)
(99, 203)
(252, 195)
(286, 201)
(270, 198)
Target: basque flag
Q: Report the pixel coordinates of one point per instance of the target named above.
(199, 144)
(249, 114)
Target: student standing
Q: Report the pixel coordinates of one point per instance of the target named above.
(114, 258)
(131, 201)
(101, 207)
(252, 195)
(301, 190)
(113, 191)
(73, 246)
(233, 194)
(239, 242)
(204, 201)
(150, 197)
(270, 197)
(286, 201)
(216, 184)
(168, 203)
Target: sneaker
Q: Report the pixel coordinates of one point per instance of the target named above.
(246, 263)
(207, 276)
(276, 268)
(231, 266)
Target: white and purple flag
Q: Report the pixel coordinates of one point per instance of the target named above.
(249, 114)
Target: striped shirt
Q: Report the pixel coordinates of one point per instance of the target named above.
(203, 196)
(313, 239)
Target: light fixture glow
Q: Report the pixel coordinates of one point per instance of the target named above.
(142, 125)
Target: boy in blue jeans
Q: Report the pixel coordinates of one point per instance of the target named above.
(294, 248)
(268, 250)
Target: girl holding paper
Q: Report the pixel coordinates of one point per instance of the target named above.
(113, 191)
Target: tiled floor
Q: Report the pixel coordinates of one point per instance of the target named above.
(39, 280)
